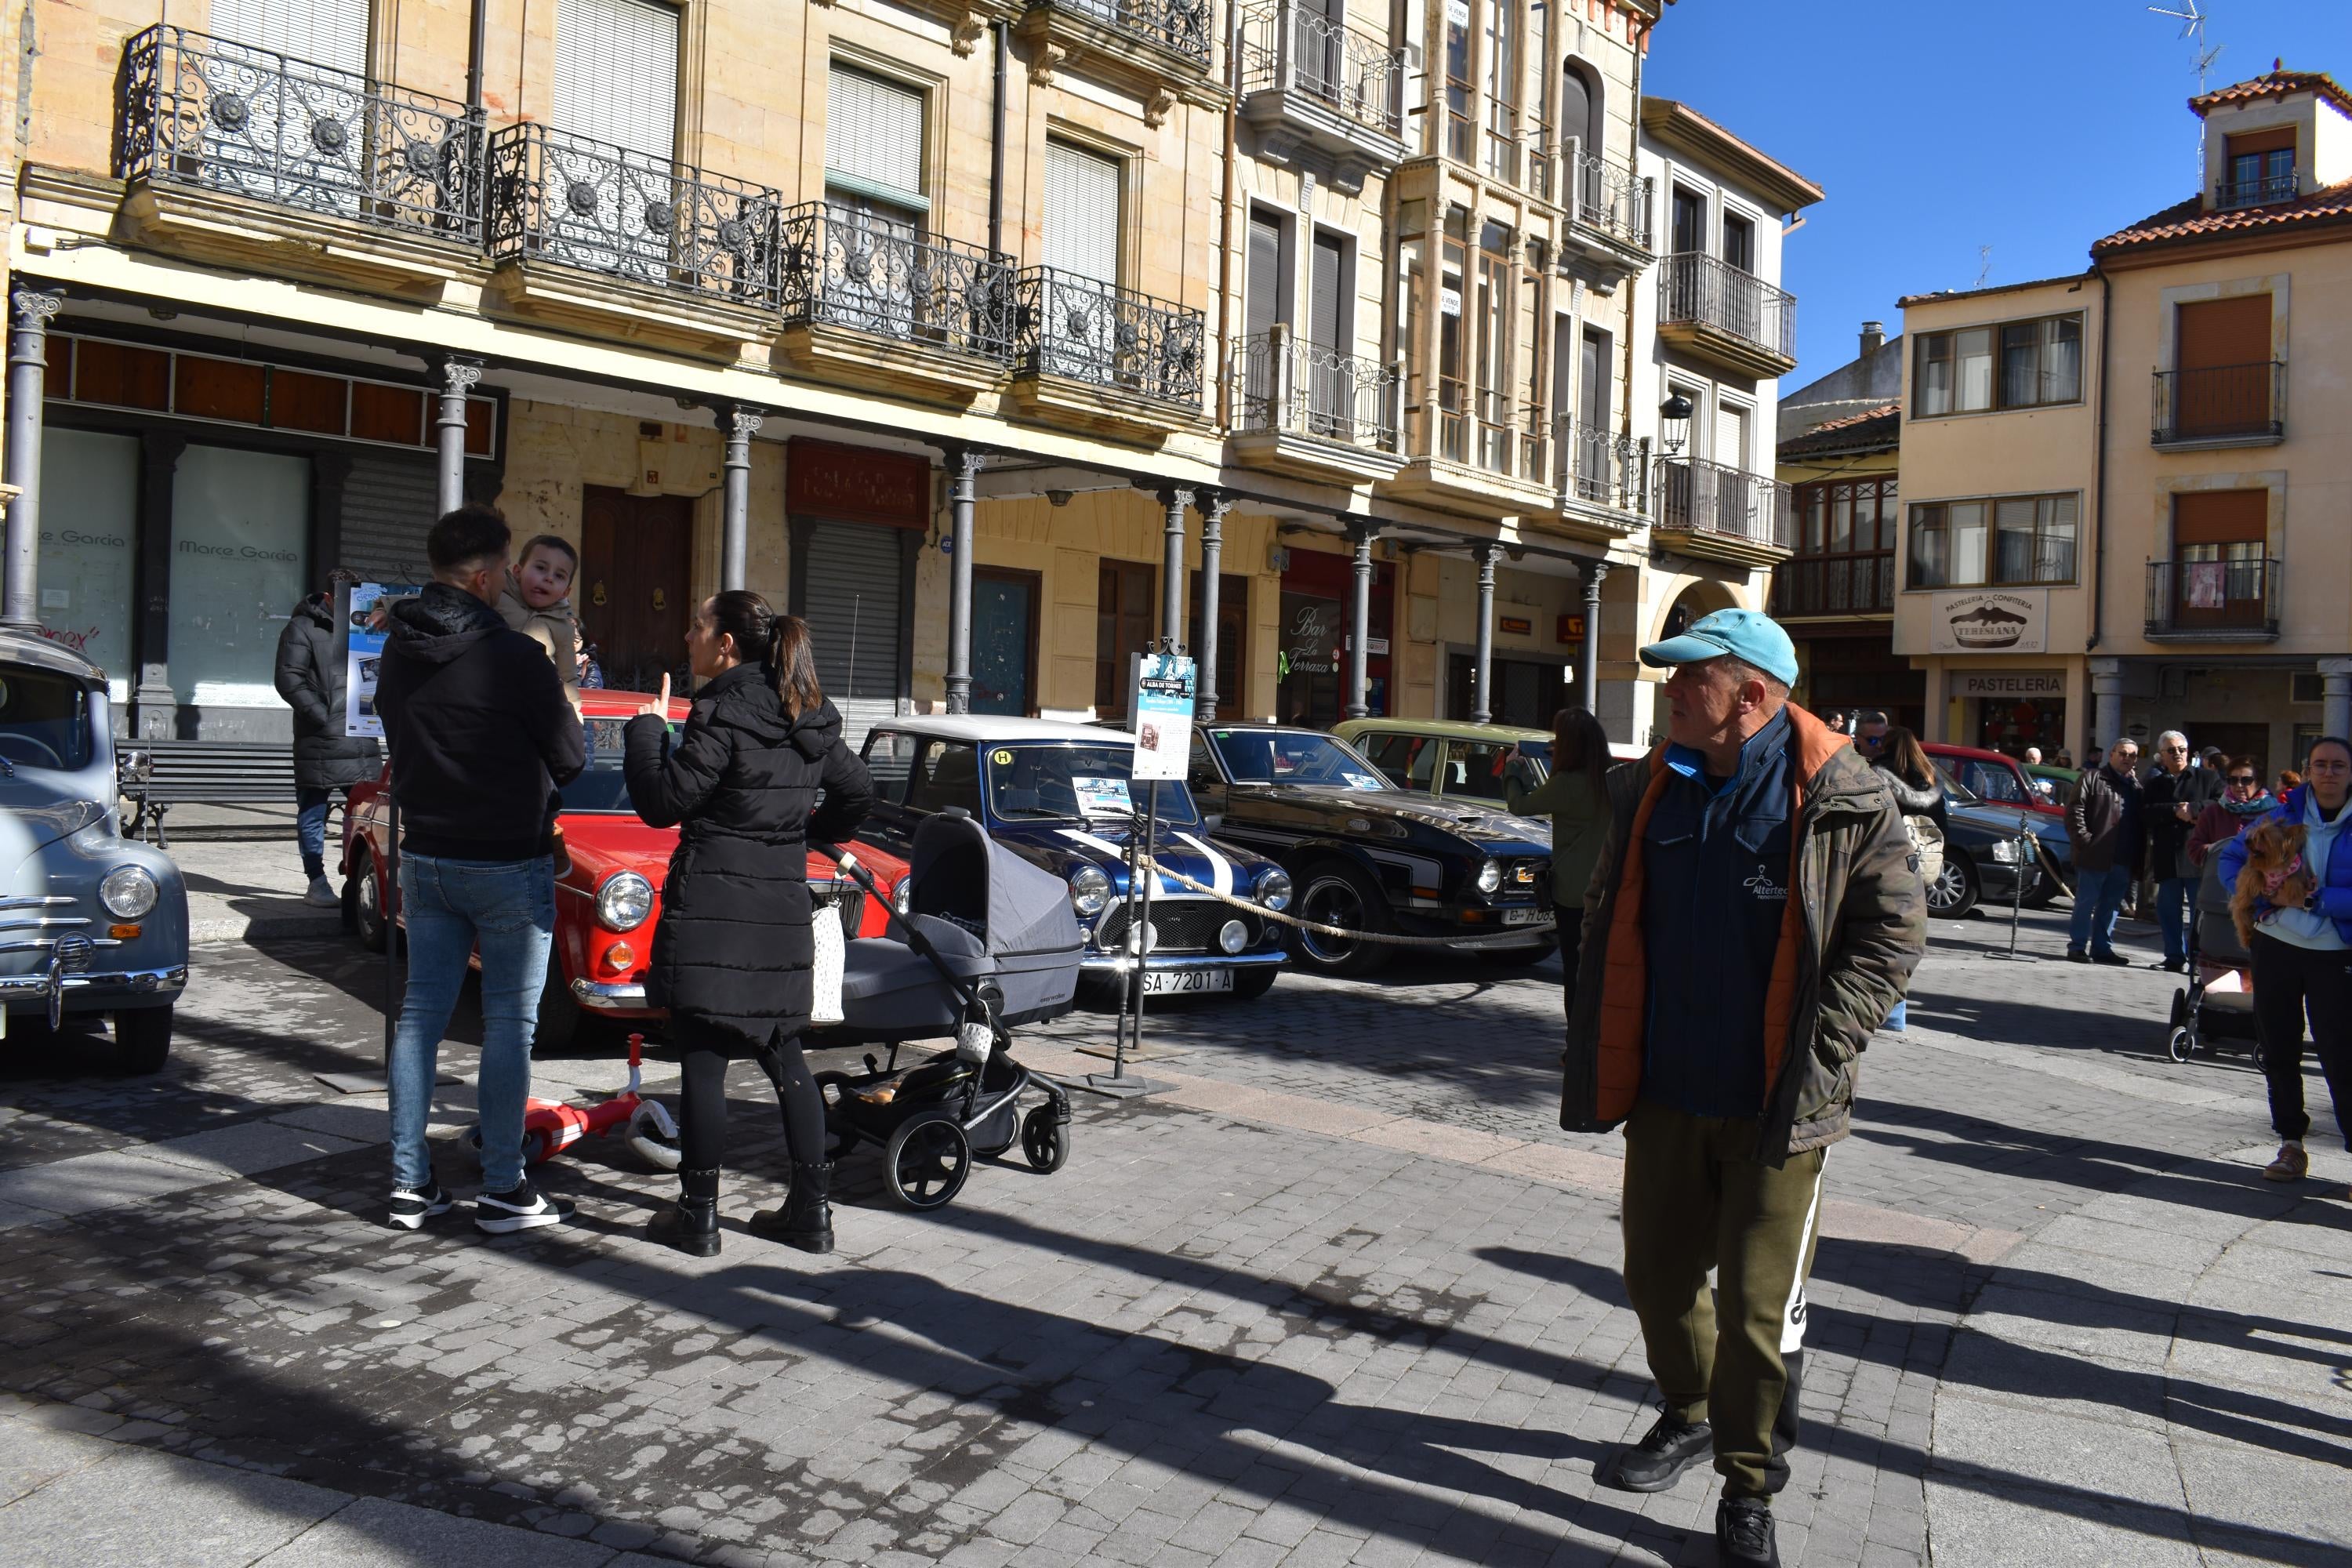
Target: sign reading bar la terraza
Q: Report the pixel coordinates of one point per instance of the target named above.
(1160, 693)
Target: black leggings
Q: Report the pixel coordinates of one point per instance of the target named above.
(2289, 981)
(703, 1107)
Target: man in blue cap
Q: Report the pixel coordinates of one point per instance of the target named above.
(1756, 913)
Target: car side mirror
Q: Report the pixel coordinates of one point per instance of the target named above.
(137, 766)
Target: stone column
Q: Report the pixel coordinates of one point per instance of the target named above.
(1213, 505)
(28, 359)
(739, 424)
(1588, 654)
(1361, 533)
(2106, 708)
(963, 471)
(1175, 497)
(1481, 672)
(457, 375)
(2336, 697)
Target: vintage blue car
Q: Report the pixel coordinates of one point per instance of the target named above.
(90, 923)
(1058, 795)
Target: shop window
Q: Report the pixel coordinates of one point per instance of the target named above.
(89, 484)
(240, 530)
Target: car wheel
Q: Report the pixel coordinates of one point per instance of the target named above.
(1517, 957)
(1251, 983)
(1953, 892)
(364, 893)
(144, 1037)
(1334, 893)
(563, 1022)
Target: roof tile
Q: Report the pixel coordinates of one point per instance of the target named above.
(2189, 220)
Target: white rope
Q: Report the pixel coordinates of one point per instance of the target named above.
(1518, 935)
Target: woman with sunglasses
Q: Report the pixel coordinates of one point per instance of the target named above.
(2243, 798)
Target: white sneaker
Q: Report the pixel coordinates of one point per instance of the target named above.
(322, 895)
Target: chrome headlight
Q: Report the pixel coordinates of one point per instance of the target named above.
(1089, 891)
(624, 901)
(1490, 876)
(129, 892)
(1274, 889)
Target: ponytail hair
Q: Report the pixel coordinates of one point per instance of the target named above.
(781, 644)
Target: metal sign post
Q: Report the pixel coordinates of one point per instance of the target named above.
(1160, 695)
(2028, 855)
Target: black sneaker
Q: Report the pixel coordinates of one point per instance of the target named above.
(525, 1208)
(2111, 956)
(411, 1208)
(1658, 1461)
(2171, 966)
(2077, 955)
(1744, 1534)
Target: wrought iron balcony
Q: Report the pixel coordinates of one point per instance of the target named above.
(1601, 468)
(1723, 510)
(848, 269)
(2213, 601)
(1179, 26)
(1609, 198)
(558, 197)
(1708, 306)
(1287, 49)
(1285, 384)
(1852, 583)
(2222, 406)
(197, 110)
(2257, 192)
(1080, 330)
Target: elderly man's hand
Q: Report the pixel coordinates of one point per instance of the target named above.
(659, 706)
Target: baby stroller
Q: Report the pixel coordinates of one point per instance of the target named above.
(988, 942)
(2220, 1000)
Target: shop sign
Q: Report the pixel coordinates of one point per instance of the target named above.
(1990, 620)
(2016, 683)
(1571, 629)
(857, 484)
(1517, 626)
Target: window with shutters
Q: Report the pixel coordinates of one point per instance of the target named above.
(1082, 212)
(332, 33)
(2220, 540)
(2257, 168)
(617, 73)
(874, 147)
(2222, 382)
(2014, 364)
(1269, 272)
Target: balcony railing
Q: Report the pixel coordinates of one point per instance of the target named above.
(194, 110)
(2213, 599)
(2258, 192)
(849, 269)
(1698, 287)
(2221, 404)
(1855, 584)
(1071, 326)
(1284, 383)
(1600, 467)
(558, 197)
(1288, 47)
(1609, 197)
(1180, 26)
(1698, 496)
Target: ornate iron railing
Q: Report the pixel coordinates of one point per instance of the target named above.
(1698, 497)
(2219, 404)
(1609, 197)
(194, 109)
(1288, 48)
(1071, 326)
(1859, 583)
(555, 196)
(1696, 287)
(1600, 467)
(846, 269)
(1284, 383)
(2211, 598)
(1180, 26)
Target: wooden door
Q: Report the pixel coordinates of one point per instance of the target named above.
(1123, 617)
(2223, 357)
(1233, 636)
(632, 595)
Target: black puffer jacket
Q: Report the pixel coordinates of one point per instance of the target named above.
(732, 952)
(311, 678)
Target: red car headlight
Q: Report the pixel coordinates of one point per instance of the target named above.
(624, 901)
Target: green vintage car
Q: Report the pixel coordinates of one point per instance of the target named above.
(1450, 757)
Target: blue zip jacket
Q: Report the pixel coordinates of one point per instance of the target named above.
(2334, 898)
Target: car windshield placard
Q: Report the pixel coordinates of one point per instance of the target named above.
(1073, 781)
(1293, 756)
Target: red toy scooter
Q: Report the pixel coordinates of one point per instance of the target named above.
(549, 1127)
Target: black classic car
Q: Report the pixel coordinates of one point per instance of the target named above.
(1366, 856)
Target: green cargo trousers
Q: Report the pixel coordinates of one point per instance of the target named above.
(1696, 1199)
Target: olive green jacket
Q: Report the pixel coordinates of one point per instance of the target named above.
(1579, 821)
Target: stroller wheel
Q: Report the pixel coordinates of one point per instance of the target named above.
(927, 1161)
(1045, 1140)
(2179, 1008)
(2179, 1043)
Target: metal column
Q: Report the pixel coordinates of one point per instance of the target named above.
(963, 469)
(1481, 673)
(2336, 697)
(28, 358)
(1214, 504)
(1359, 618)
(1175, 497)
(739, 424)
(1588, 654)
(457, 378)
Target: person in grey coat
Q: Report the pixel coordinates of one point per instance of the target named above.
(310, 667)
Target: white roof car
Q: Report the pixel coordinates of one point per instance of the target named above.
(981, 728)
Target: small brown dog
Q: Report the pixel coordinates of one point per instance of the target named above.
(2275, 871)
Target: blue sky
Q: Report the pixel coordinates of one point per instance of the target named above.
(1941, 126)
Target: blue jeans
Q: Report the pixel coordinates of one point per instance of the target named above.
(1900, 1017)
(507, 909)
(310, 828)
(2176, 898)
(2098, 895)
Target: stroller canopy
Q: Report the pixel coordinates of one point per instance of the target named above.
(1017, 910)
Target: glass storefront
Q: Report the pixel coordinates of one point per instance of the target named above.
(240, 543)
(90, 528)
(1311, 659)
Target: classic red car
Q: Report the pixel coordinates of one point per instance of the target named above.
(608, 902)
(1994, 775)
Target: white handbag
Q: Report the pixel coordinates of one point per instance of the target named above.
(831, 954)
(1927, 847)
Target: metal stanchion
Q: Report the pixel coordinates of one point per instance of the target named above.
(1140, 850)
(2028, 858)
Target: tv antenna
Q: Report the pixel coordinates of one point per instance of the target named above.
(1984, 268)
(2192, 19)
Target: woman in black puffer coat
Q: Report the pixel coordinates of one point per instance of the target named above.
(732, 955)
(311, 670)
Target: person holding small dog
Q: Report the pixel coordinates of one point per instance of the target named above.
(2303, 948)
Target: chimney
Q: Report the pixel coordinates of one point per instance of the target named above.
(1873, 337)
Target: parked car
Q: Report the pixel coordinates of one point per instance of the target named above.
(90, 923)
(1983, 861)
(1367, 856)
(1450, 758)
(1993, 777)
(1058, 796)
(608, 901)
(2054, 784)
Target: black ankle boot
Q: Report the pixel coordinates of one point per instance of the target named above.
(806, 1219)
(692, 1223)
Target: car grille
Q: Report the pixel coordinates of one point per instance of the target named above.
(1183, 925)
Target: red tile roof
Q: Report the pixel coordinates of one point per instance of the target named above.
(2277, 84)
(2188, 221)
(1871, 429)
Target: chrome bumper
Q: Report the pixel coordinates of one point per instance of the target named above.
(627, 998)
(1099, 963)
(54, 986)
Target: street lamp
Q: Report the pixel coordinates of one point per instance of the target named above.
(1673, 423)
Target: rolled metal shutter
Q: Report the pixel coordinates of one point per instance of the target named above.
(388, 509)
(324, 32)
(617, 73)
(1324, 303)
(1082, 212)
(1264, 306)
(855, 599)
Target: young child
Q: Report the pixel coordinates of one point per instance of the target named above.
(538, 602)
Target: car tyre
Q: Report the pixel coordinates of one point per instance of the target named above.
(565, 1027)
(1955, 889)
(1333, 892)
(143, 1037)
(1251, 983)
(363, 894)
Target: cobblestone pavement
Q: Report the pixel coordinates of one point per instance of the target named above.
(1342, 1293)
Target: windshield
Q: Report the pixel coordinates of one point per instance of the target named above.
(44, 719)
(1955, 791)
(601, 787)
(1292, 756)
(1073, 781)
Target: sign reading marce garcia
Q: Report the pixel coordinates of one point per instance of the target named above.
(1990, 620)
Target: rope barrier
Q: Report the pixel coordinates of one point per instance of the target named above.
(1379, 938)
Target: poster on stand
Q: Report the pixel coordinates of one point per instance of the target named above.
(1160, 693)
(365, 652)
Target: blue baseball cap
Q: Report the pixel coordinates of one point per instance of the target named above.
(1748, 636)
